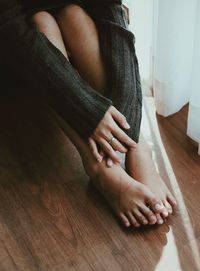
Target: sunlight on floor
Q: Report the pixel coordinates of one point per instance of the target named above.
(170, 253)
(169, 259)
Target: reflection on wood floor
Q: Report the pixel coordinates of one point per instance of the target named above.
(52, 219)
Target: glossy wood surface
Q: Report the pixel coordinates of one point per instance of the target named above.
(51, 218)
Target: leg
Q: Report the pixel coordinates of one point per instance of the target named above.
(128, 198)
(100, 45)
(82, 41)
(124, 83)
(140, 165)
(118, 53)
(47, 25)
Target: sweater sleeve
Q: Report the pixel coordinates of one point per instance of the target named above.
(32, 53)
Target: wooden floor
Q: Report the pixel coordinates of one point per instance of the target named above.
(52, 219)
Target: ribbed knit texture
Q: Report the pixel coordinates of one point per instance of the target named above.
(31, 53)
(118, 50)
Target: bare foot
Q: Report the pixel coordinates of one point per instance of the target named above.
(131, 201)
(140, 166)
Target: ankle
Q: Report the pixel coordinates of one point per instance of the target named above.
(142, 148)
(91, 167)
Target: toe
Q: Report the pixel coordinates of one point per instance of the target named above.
(125, 220)
(140, 217)
(164, 212)
(168, 206)
(133, 220)
(149, 215)
(160, 221)
(156, 206)
(172, 200)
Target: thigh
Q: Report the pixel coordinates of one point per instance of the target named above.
(117, 44)
(76, 24)
(47, 25)
(81, 38)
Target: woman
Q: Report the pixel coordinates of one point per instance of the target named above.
(82, 54)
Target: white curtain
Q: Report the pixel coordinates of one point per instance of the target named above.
(194, 110)
(171, 64)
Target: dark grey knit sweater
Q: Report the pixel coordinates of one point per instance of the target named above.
(28, 53)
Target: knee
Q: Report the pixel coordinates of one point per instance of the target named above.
(45, 22)
(73, 15)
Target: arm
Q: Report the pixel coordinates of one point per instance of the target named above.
(33, 54)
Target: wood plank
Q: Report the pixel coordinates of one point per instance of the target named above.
(51, 218)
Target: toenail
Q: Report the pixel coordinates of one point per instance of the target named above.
(165, 214)
(158, 206)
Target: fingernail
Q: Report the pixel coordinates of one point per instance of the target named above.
(99, 159)
(110, 163)
(127, 126)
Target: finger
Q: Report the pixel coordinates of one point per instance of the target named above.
(123, 137)
(109, 162)
(94, 149)
(117, 146)
(107, 148)
(102, 154)
(120, 118)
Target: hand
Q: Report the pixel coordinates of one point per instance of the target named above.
(109, 136)
(109, 162)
